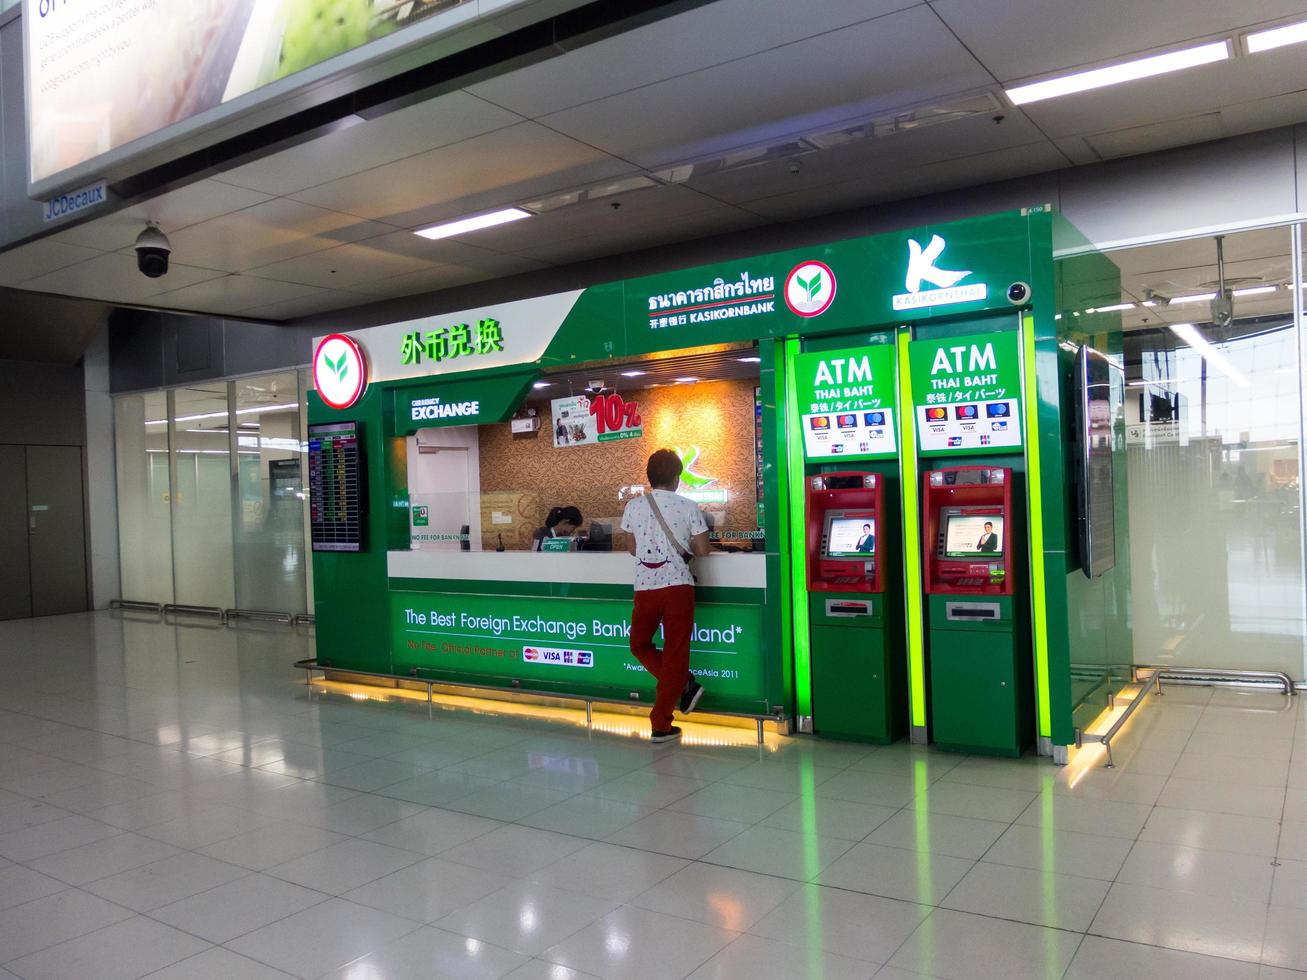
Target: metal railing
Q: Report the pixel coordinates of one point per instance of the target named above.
(136, 605)
(1105, 738)
(1219, 675)
(185, 609)
(264, 615)
(310, 665)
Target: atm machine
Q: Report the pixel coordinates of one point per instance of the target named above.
(981, 681)
(858, 674)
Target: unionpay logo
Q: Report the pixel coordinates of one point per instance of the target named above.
(810, 289)
(923, 267)
(340, 371)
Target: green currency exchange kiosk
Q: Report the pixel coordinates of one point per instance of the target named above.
(852, 538)
(973, 540)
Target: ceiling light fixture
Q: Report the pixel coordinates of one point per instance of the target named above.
(542, 384)
(1112, 309)
(1256, 290)
(634, 374)
(750, 360)
(1193, 298)
(1204, 349)
(686, 381)
(1128, 71)
(1277, 37)
(465, 225)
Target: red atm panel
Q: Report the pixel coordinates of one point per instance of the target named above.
(844, 514)
(967, 524)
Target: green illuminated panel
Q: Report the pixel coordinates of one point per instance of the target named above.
(912, 586)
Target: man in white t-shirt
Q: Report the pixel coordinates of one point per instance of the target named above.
(664, 587)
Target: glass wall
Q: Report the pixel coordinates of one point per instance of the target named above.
(211, 494)
(144, 500)
(1213, 439)
(269, 534)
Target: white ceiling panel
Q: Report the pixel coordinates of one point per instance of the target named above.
(113, 277)
(869, 157)
(719, 221)
(639, 209)
(342, 267)
(716, 33)
(232, 294)
(323, 301)
(173, 211)
(1168, 97)
(351, 149)
(438, 277)
(38, 258)
(484, 172)
(1019, 38)
(870, 67)
(270, 232)
(1145, 139)
(946, 175)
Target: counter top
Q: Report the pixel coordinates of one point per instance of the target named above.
(737, 571)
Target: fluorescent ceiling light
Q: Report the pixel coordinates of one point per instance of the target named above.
(1194, 298)
(1190, 335)
(542, 384)
(464, 225)
(634, 374)
(750, 360)
(1148, 303)
(1129, 71)
(1112, 309)
(1255, 290)
(686, 381)
(1276, 38)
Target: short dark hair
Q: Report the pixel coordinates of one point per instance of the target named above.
(867, 526)
(989, 524)
(664, 469)
(559, 514)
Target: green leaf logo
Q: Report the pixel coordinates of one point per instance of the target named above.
(690, 478)
(811, 285)
(339, 366)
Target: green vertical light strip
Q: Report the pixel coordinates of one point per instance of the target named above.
(1035, 488)
(912, 587)
(798, 538)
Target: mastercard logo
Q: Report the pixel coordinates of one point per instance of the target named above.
(936, 414)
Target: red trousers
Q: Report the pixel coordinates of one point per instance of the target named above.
(673, 608)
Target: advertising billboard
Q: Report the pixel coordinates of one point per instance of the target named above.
(104, 74)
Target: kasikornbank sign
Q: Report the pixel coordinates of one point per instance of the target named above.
(571, 642)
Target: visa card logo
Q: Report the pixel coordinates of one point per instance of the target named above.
(558, 657)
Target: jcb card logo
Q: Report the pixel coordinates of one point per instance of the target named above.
(340, 371)
(810, 289)
(922, 267)
(558, 657)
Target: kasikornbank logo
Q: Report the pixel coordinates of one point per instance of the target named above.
(810, 289)
(923, 268)
(340, 371)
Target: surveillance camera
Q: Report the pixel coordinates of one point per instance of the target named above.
(1223, 309)
(152, 251)
(1018, 294)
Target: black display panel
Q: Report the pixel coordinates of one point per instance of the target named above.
(335, 487)
(1099, 422)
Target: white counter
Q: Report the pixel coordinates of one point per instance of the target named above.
(737, 571)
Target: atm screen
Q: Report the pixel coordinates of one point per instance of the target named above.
(973, 537)
(850, 537)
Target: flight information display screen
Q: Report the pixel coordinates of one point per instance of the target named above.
(335, 487)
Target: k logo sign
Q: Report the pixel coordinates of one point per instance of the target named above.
(810, 289)
(340, 371)
(922, 268)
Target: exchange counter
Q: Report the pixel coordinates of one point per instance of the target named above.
(561, 622)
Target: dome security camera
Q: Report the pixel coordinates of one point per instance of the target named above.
(152, 251)
(1018, 294)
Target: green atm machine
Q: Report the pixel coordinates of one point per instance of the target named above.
(854, 559)
(967, 400)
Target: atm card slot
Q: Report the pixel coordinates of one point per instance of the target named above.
(846, 607)
(971, 611)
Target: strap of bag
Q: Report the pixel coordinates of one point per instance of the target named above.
(671, 539)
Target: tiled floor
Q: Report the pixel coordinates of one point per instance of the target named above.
(174, 804)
